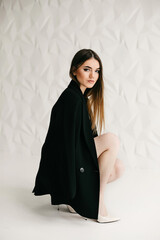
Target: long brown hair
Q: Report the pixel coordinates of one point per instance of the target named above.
(95, 95)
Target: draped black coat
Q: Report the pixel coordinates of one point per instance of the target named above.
(68, 168)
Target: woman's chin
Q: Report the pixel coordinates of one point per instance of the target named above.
(90, 85)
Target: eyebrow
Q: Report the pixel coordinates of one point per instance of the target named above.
(90, 67)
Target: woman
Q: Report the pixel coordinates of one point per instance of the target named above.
(76, 163)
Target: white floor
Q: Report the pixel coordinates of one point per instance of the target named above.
(135, 198)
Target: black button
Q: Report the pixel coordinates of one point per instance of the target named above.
(81, 169)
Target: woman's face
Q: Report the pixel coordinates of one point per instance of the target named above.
(88, 71)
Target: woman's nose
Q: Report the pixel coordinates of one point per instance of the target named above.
(91, 74)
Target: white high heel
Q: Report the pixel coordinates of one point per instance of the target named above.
(107, 219)
(71, 209)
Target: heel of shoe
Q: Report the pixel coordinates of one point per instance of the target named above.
(107, 219)
(71, 209)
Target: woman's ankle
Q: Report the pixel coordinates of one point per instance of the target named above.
(103, 212)
(102, 208)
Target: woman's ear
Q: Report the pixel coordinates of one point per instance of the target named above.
(74, 72)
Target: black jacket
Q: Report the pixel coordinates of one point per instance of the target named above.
(68, 168)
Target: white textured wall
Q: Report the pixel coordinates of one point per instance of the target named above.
(37, 42)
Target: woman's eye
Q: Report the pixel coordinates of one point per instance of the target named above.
(85, 69)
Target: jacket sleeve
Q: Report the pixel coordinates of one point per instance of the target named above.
(57, 170)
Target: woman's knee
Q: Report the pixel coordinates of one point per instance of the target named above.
(112, 140)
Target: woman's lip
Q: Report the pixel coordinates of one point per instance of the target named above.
(91, 81)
